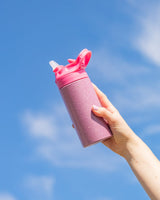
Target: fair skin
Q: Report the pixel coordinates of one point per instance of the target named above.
(127, 144)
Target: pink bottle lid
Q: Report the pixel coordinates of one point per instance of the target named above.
(74, 71)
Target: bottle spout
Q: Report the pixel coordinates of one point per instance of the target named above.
(53, 64)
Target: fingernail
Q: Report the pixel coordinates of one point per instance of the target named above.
(95, 107)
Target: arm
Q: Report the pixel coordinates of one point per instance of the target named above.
(145, 166)
(126, 143)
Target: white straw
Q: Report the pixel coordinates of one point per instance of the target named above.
(53, 64)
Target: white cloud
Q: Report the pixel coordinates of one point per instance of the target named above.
(39, 125)
(6, 196)
(73, 156)
(65, 150)
(147, 40)
(40, 187)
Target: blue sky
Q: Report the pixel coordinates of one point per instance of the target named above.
(40, 154)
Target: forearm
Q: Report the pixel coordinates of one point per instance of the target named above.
(145, 166)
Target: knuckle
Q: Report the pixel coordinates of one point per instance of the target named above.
(102, 111)
(115, 118)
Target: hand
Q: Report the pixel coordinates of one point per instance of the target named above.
(122, 134)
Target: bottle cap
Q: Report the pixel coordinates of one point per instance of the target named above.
(75, 70)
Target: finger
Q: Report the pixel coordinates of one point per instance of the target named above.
(102, 112)
(103, 99)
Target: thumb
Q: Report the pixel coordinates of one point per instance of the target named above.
(102, 112)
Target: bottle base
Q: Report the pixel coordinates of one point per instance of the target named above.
(105, 138)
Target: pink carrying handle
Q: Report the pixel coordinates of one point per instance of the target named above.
(83, 60)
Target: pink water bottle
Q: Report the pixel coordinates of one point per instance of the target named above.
(79, 96)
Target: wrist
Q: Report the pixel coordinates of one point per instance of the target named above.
(132, 147)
